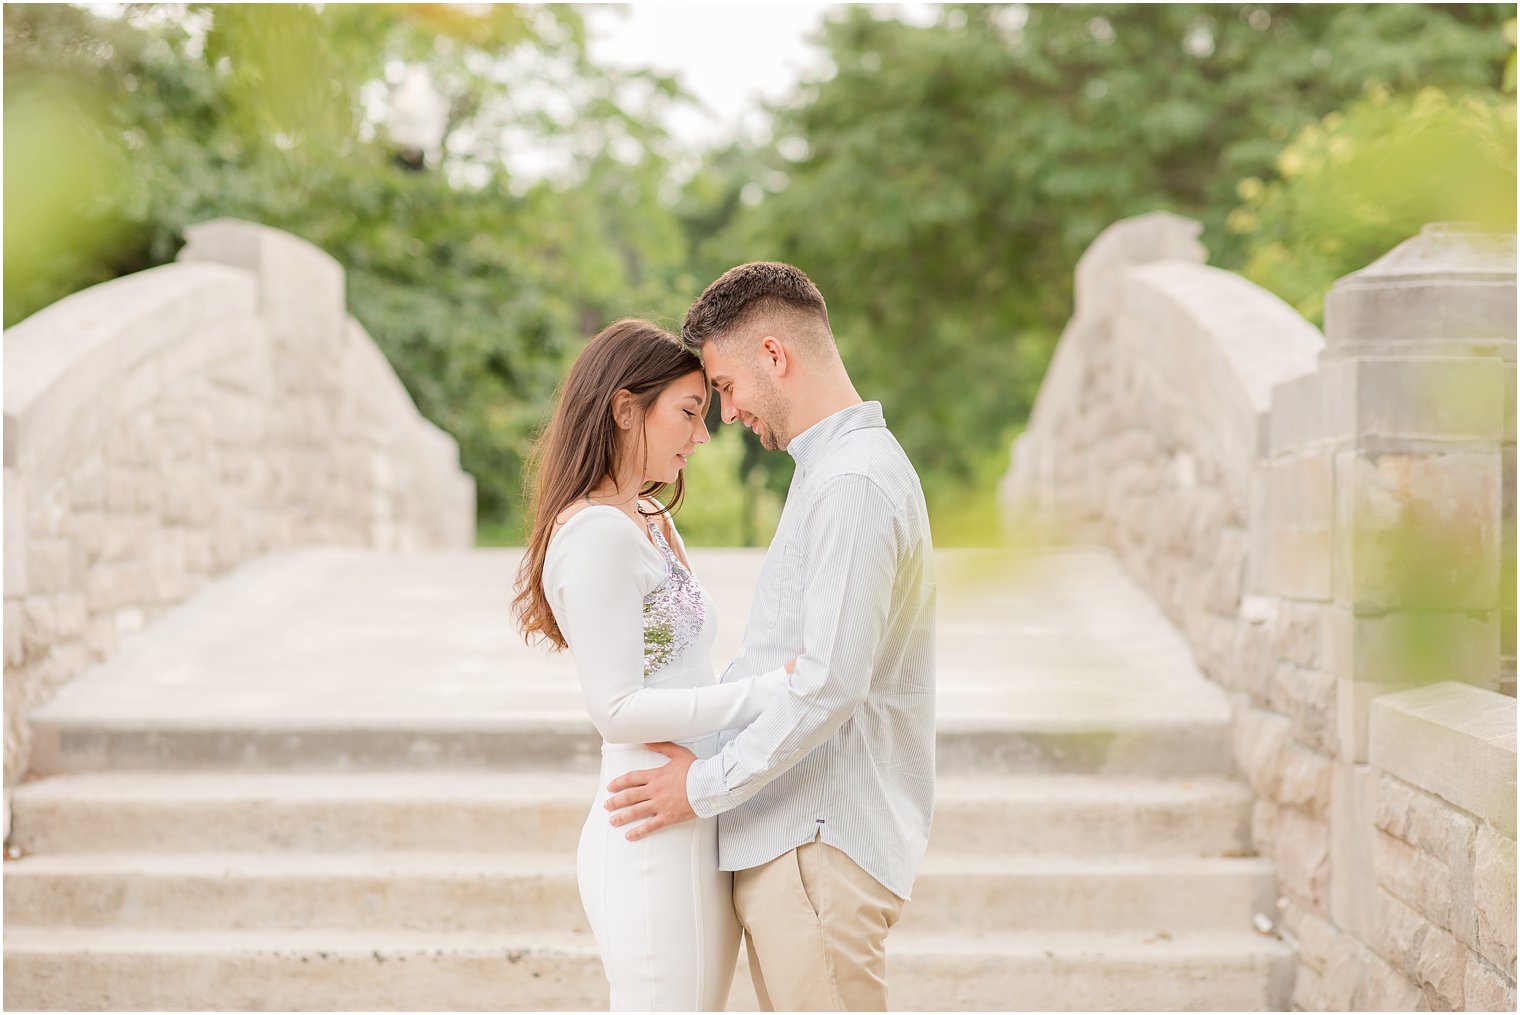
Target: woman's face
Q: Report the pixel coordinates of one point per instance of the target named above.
(673, 427)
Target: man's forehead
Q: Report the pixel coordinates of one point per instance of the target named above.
(717, 362)
(714, 366)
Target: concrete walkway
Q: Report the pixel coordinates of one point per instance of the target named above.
(339, 639)
(337, 780)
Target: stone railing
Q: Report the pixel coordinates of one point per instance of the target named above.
(1330, 521)
(162, 428)
(1440, 870)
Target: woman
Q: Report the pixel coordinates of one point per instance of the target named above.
(605, 574)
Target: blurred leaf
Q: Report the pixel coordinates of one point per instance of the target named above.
(62, 173)
(1356, 184)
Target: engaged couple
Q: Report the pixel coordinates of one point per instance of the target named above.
(792, 798)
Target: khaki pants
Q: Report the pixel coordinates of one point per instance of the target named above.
(815, 926)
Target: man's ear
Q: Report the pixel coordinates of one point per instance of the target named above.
(773, 356)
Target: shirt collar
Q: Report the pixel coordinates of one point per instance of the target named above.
(807, 446)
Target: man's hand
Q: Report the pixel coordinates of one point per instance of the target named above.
(658, 794)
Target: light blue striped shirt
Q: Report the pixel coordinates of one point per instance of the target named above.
(848, 590)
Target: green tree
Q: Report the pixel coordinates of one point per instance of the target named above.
(942, 182)
(720, 509)
(479, 286)
(1355, 184)
(939, 185)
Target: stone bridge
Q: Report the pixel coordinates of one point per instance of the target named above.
(1237, 733)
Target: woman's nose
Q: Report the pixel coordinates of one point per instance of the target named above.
(701, 436)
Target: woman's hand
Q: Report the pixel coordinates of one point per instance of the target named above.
(791, 667)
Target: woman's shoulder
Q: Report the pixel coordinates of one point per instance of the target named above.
(648, 505)
(598, 536)
(569, 512)
(592, 522)
(598, 544)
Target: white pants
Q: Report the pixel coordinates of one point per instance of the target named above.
(662, 912)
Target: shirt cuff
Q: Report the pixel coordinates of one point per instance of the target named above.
(704, 786)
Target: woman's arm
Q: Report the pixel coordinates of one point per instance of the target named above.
(596, 581)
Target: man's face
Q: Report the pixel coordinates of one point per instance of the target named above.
(747, 394)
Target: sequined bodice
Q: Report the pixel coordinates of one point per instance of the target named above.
(673, 613)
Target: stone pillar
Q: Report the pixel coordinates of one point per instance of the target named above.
(1389, 498)
(1420, 357)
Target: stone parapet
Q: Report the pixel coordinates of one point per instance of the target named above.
(1452, 740)
(1443, 831)
(1332, 526)
(163, 428)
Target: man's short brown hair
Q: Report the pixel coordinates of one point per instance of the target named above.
(743, 295)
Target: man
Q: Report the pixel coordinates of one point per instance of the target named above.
(826, 798)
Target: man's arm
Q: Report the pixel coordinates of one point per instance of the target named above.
(850, 567)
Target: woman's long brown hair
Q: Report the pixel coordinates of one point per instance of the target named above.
(580, 448)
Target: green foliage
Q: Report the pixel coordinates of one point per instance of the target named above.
(966, 512)
(64, 223)
(1354, 185)
(479, 289)
(1509, 65)
(719, 509)
(945, 179)
(939, 185)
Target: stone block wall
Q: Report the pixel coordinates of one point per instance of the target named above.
(1442, 857)
(1273, 491)
(162, 428)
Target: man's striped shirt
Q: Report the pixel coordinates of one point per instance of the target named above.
(848, 590)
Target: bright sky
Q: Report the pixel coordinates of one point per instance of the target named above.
(730, 56)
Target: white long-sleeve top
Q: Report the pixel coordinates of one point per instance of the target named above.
(641, 629)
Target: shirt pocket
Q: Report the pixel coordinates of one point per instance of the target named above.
(789, 581)
(781, 582)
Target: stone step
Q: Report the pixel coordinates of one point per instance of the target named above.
(134, 970)
(304, 784)
(520, 892)
(566, 742)
(1091, 815)
(125, 812)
